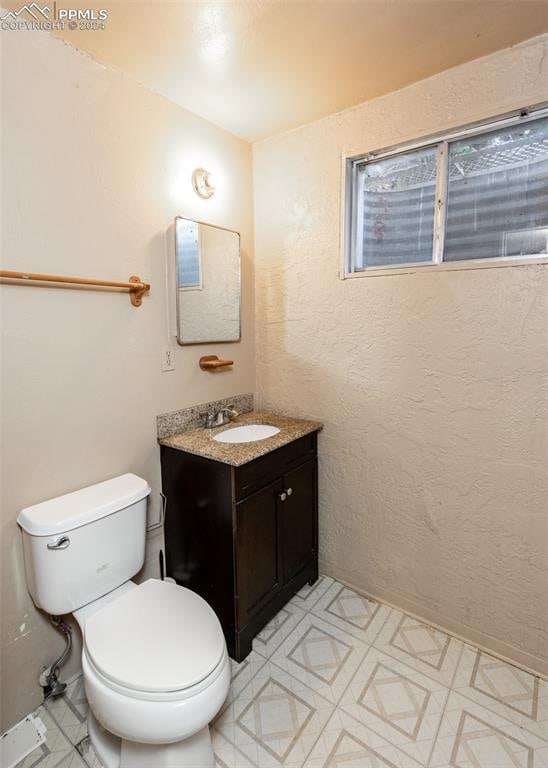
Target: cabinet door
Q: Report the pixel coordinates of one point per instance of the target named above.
(299, 513)
(258, 551)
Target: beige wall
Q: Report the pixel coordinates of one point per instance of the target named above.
(432, 386)
(95, 169)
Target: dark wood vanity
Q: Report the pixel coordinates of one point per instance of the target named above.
(244, 537)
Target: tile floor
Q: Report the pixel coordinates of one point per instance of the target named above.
(336, 680)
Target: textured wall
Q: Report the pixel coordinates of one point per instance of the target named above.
(432, 386)
(95, 168)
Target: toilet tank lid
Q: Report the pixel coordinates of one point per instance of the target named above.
(64, 513)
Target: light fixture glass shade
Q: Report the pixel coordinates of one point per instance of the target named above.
(202, 183)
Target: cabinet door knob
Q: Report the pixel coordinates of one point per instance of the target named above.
(282, 496)
(289, 491)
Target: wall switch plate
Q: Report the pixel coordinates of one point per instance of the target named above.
(168, 359)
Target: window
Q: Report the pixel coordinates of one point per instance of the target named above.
(479, 194)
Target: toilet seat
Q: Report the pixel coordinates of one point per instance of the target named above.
(158, 640)
(91, 671)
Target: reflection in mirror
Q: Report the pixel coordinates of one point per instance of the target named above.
(208, 283)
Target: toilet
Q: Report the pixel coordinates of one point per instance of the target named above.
(154, 658)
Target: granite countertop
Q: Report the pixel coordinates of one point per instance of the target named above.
(200, 441)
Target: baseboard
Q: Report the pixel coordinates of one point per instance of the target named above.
(505, 651)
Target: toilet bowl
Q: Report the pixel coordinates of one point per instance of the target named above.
(156, 670)
(154, 658)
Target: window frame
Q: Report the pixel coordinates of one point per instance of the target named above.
(352, 215)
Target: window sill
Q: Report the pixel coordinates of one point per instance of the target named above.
(448, 266)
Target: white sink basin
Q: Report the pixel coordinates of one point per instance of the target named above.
(248, 434)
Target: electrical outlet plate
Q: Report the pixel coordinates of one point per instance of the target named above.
(168, 359)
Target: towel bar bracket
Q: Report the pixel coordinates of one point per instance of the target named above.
(136, 294)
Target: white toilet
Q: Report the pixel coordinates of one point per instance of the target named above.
(156, 669)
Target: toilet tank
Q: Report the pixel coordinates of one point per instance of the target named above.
(79, 546)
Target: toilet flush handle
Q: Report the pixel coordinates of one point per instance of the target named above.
(61, 543)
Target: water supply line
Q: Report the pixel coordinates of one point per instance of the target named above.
(49, 678)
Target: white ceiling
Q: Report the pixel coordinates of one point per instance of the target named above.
(260, 67)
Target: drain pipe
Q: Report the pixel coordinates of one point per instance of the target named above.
(49, 678)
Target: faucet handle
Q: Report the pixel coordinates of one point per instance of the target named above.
(217, 418)
(208, 418)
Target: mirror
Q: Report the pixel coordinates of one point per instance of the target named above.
(208, 282)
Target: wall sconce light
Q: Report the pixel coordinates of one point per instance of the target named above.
(201, 183)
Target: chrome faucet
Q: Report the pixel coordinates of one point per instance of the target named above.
(219, 418)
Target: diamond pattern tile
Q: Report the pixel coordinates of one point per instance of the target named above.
(86, 750)
(422, 647)
(73, 760)
(351, 612)
(321, 656)
(56, 749)
(339, 681)
(506, 684)
(307, 597)
(275, 632)
(471, 736)
(241, 674)
(345, 743)
(507, 690)
(399, 703)
(321, 653)
(477, 741)
(395, 699)
(226, 755)
(70, 711)
(275, 720)
(425, 642)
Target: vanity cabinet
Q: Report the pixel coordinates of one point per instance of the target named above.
(244, 537)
